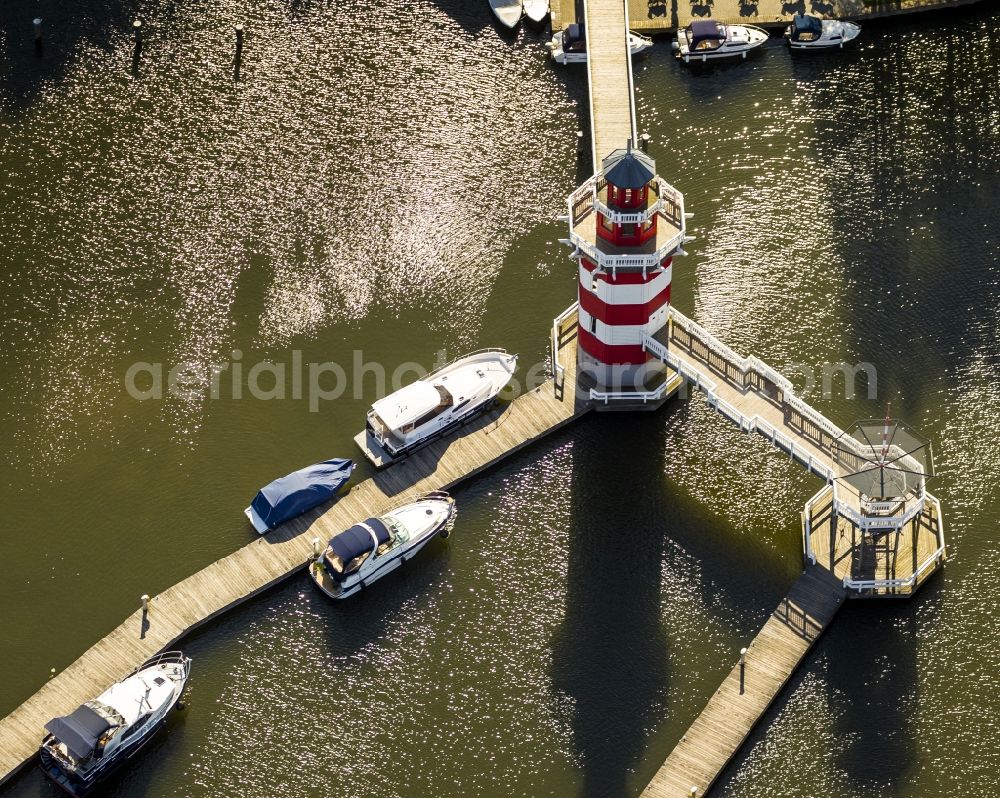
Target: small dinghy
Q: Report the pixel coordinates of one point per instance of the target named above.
(296, 493)
(368, 551)
(570, 46)
(508, 12)
(707, 40)
(537, 11)
(433, 406)
(812, 33)
(86, 746)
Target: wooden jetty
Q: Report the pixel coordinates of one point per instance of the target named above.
(749, 689)
(609, 71)
(268, 560)
(653, 17)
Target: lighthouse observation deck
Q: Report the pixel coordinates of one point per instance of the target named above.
(589, 203)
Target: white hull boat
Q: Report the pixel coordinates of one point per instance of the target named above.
(90, 743)
(570, 46)
(537, 11)
(813, 33)
(378, 546)
(707, 40)
(508, 12)
(435, 405)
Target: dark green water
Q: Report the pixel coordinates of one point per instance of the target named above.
(386, 178)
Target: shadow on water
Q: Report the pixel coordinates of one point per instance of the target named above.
(24, 69)
(871, 687)
(925, 186)
(610, 651)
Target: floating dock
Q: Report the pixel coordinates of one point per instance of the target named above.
(268, 560)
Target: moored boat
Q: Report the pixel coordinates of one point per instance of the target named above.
(537, 11)
(369, 550)
(86, 746)
(569, 46)
(812, 33)
(434, 405)
(293, 494)
(708, 40)
(508, 12)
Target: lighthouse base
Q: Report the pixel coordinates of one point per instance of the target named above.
(631, 387)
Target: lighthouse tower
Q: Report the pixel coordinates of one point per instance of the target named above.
(626, 224)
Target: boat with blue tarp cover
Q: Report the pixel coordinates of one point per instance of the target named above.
(372, 548)
(295, 493)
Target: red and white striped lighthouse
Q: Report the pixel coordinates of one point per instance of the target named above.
(626, 223)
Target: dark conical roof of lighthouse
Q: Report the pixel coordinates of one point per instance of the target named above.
(628, 168)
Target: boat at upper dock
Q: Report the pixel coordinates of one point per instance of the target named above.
(537, 11)
(570, 46)
(375, 547)
(86, 746)
(708, 40)
(295, 493)
(508, 12)
(433, 406)
(812, 33)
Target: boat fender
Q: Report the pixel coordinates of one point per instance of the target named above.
(704, 58)
(744, 55)
(180, 705)
(841, 44)
(445, 533)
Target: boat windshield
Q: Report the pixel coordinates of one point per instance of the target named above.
(400, 533)
(444, 397)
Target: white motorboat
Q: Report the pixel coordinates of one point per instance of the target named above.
(84, 747)
(537, 11)
(508, 12)
(708, 40)
(377, 546)
(433, 406)
(570, 46)
(812, 33)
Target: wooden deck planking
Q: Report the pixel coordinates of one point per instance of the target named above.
(724, 724)
(612, 112)
(183, 607)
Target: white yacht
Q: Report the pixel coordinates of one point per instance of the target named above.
(433, 406)
(508, 12)
(708, 40)
(377, 546)
(84, 747)
(570, 46)
(537, 11)
(812, 33)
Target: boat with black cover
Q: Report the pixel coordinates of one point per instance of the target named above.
(375, 547)
(86, 746)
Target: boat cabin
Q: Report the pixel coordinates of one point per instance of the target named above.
(806, 29)
(349, 550)
(574, 39)
(705, 34)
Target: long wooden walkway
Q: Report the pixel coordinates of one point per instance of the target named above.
(252, 569)
(736, 707)
(609, 70)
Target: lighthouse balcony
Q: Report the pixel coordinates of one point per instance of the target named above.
(664, 207)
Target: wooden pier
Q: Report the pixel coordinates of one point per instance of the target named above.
(609, 71)
(178, 610)
(746, 693)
